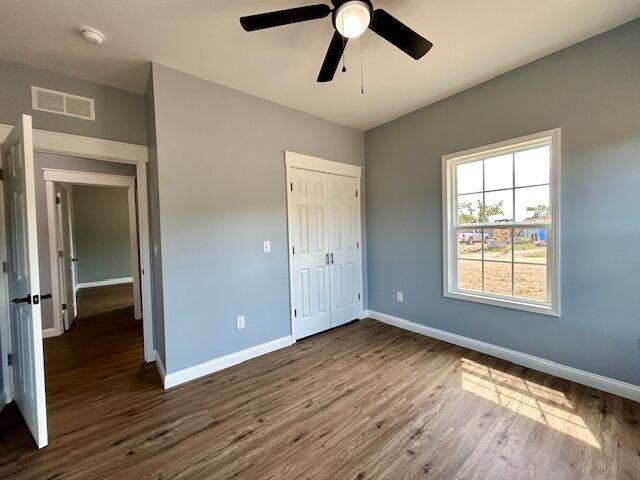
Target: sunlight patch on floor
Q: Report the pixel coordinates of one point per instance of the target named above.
(542, 404)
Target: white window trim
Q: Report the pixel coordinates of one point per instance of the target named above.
(553, 234)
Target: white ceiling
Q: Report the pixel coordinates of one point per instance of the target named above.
(474, 40)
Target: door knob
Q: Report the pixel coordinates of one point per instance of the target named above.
(26, 299)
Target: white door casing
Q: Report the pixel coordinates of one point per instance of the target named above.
(23, 279)
(312, 312)
(111, 151)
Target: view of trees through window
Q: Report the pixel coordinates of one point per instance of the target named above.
(502, 222)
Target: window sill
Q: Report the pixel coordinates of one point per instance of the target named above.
(505, 303)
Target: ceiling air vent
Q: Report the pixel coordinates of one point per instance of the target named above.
(62, 103)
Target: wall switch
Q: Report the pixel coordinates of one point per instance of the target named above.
(240, 322)
(400, 296)
(266, 246)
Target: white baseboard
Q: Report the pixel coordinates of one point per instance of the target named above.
(220, 363)
(160, 366)
(623, 389)
(49, 332)
(102, 283)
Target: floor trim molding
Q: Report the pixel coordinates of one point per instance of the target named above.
(186, 375)
(103, 283)
(160, 367)
(49, 332)
(617, 387)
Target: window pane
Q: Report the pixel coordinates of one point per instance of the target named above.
(470, 275)
(470, 244)
(498, 172)
(531, 245)
(469, 177)
(532, 166)
(497, 278)
(469, 208)
(498, 244)
(531, 281)
(499, 207)
(532, 204)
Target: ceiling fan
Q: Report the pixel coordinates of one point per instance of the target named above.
(350, 20)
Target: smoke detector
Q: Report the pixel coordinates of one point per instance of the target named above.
(93, 35)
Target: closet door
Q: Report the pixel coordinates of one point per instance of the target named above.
(310, 257)
(344, 223)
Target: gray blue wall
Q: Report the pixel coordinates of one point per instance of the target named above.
(61, 162)
(591, 91)
(120, 115)
(101, 233)
(221, 180)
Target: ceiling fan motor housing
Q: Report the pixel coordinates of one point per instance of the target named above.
(352, 18)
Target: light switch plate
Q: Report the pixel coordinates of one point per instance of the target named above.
(400, 296)
(240, 322)
(266, 246)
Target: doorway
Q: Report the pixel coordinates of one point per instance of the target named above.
(92, 213)
(325, 255)
(21, 329)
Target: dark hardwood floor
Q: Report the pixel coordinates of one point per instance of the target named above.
(365, 401)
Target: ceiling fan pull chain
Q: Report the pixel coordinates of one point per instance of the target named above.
(344, 47)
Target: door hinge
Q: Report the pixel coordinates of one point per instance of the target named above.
(357, 245)
(356, 193)
(292, 186)
(10, 359)
(1, 174)
(358, 296)
(64, 305)
(295, 312)
(58, 200)
(61, 253)
(293, 250)
(4, 267)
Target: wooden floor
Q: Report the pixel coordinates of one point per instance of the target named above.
(365, 401)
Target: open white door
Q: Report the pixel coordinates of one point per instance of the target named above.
(23, 278)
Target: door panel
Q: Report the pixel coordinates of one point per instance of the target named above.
(310, 266)
(65, 262)
(343, 245)
(23, 279)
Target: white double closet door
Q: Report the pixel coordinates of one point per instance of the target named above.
(325, 228)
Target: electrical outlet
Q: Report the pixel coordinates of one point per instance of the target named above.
(400, 296)
(240, 322)
(266, 246)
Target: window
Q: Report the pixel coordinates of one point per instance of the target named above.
(501, 217)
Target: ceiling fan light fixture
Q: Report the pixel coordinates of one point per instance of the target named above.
(353, 18)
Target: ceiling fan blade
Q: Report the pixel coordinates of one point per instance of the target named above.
(397, 33)
(284, 17)
(332, 59)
